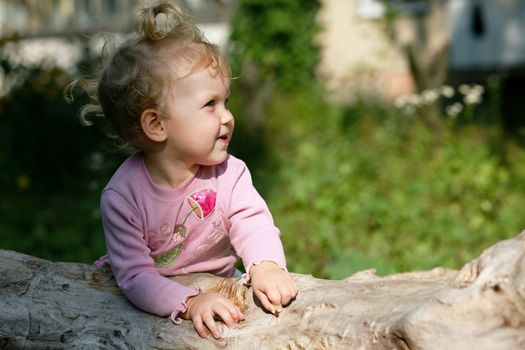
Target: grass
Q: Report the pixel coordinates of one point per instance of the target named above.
(369, 187)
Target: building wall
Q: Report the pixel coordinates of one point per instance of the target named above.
(356, 54)
(478, 37)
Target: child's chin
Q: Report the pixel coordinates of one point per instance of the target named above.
(216, 160)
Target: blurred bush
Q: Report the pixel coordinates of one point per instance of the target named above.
(277, 37)
(53, 168)
(369, 185)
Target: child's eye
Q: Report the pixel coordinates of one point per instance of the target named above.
(210, 103)
(226, 103)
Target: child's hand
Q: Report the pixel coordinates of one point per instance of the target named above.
(273, 286)
(203, 308)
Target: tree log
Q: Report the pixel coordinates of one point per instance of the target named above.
(48, 305)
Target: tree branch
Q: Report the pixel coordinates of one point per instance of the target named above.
(76, 306)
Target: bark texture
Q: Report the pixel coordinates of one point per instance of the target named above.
(47, 305)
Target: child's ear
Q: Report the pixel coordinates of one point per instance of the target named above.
(153, 125)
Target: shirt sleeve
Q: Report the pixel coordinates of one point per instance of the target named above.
(252, 230)
(132, 265)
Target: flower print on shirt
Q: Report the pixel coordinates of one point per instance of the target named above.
(202, 204)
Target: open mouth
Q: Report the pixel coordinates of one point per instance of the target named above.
(224, 138)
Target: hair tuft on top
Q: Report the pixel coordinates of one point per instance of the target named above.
(159, 21)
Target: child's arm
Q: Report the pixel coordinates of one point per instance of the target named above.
(203, 308)
(138, 279)
(256, 240)
(133, 267)
(273, 286)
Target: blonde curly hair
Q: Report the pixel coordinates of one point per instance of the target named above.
(167, 45)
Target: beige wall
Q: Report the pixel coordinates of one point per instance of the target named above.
(357, 55)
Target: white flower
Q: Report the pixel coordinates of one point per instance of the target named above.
(400, 102)
(472, 98)
(464, 89)
(454, 109)
(430, 96)
(415, 100)
(447, 91)
(472, 93)
(478, 88)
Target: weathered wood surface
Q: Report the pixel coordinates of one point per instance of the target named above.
(46, 305)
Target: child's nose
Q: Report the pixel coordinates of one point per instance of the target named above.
(226, 117)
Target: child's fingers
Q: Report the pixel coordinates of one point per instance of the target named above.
(288, 292)
(199, 326)
(240, 315)
(235, 312)
(276, 296)
(285, 296)
(266, 303)
(293, 287)
(210, 323)
(228, 313)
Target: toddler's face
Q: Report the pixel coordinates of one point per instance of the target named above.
(199, 123)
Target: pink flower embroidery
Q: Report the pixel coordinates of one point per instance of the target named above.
(202, 203)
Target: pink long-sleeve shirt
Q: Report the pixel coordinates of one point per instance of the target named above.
(205, 226)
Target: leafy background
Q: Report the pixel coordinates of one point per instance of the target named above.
(351, 187)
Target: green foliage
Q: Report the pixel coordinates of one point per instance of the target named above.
(277, 35)
(369, 187)
(53, 168)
